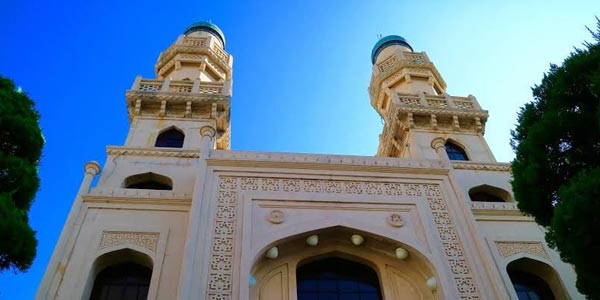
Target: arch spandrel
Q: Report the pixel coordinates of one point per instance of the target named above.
(397, 277)
(290, 230)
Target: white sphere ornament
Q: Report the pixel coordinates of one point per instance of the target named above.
(312, 240)
(357, 240)
(272, 253)
(401, 253)
(432, 283)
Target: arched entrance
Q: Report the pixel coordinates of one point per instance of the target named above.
(334, 263)
(337, 278)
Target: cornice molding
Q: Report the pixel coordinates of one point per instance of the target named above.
(499, 167)
(330, 162)
(127, 151)
(482, 114)
(175, 49)
(137, 196)
(174, 96)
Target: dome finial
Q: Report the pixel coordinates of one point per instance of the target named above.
(386, 42)
(206, 26)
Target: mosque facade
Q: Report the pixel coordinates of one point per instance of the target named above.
(176, 214)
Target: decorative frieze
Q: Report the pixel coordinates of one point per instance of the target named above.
(500, 167)
(124, 151)
(508, 248)
(147, 240)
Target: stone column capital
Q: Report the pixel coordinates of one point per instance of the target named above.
(438, 143)
(208, 131)
(92, 167)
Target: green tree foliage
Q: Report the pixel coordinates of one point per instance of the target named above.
(21, 145)
(556, 172)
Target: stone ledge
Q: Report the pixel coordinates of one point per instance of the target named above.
(158, 152)
(496, 208)
(137, 193)
(503, 167)
(295, 160)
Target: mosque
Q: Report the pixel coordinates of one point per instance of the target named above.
(176, 214)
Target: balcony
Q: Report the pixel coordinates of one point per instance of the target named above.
(435, 101)
(194, 46)
(195, 87)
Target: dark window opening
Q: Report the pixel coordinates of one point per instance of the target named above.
(455, 152)
(530, 287)
(171, 138)
(127, 281)
(337, 279)
(485, 197)
(150, 185)
(149, 181)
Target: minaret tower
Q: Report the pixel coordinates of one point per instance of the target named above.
(410, 95)
(192, 88)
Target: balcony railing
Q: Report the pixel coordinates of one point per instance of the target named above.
(412, 58)
(184, 87)
(436, 101)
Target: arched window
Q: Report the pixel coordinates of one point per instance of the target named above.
(149, 181)
(172, 138)
(488, 193)
(455, 152)
(530, 287)
(336, 278)
(125, 281)
(535, 280)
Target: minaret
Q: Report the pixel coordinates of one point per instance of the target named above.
(410, 95)
(192, 88)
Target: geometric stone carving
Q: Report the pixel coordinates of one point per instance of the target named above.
(276, 217)
(395, 220)
(508, 248)
(147, 240)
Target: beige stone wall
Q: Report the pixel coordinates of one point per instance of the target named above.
(209, 236)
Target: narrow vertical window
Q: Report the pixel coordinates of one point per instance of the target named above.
(455, 152)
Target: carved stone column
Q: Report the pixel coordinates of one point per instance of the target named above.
(439, 145)
(91, 168)
(207, 134)
(187, 282)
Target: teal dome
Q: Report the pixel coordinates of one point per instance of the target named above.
(207, 26)
(388, 41)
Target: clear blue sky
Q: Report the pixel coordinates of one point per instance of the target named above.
(301, 72)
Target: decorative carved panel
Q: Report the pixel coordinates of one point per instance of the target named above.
(147, 240)
(220, 272)
(508, 248)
